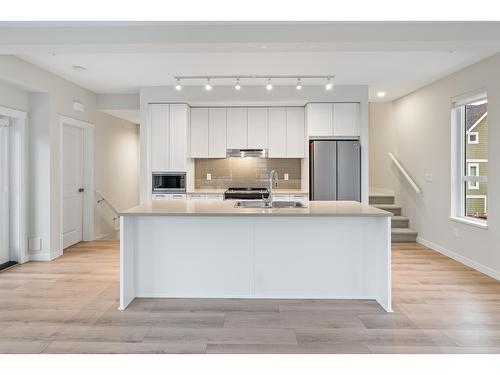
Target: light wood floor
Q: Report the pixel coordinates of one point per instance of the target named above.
(70, 306)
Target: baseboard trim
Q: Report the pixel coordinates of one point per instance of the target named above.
(460, 258)
(42, 257)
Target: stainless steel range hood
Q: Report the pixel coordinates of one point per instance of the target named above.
(246, 153)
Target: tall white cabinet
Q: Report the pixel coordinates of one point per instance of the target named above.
(169, 137)
(237, 120)
(277, 132)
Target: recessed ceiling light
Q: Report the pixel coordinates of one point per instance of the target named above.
(79, 68)
(178, 85)
(299, 84)
(329, 84)
(208, 85)
(237, 86)
(380, 94)
(269, 85)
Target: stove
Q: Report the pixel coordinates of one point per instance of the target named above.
(246, 193)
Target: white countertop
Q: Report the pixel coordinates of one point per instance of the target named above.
(226, 208)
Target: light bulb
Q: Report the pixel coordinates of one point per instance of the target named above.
(178, 86)
(329, 84)
(299, 84)
(269, 85)
(208, 86)
(237, 86)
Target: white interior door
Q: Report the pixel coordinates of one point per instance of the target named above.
(4, 190)
(72, 185)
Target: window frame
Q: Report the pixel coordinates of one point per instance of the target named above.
(476, 142)
(459, 178)
(472, 185)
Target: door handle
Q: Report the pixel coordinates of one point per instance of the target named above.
(81, 190)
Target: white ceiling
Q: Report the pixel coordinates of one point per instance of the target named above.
(397, 57)
(396, 73)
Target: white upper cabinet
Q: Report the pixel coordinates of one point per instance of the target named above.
(333, 119)
(295, 132)
(169, 136)
(178, 137)
(217, 132)
(277, 132)
(346, 119)
(159, 117)
(237, 128)
(257, 128)
(320, 119)
(199, 132)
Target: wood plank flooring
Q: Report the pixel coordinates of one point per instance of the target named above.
(70, 306)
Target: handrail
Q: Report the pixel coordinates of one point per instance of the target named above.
(103, 199)
(403, 171)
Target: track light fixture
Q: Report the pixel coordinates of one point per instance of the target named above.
(208, 85)
(178, 86)
(269, 85)
(299, 84)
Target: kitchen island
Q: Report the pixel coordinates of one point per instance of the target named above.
(211, 249)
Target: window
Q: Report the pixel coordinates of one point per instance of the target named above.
(473, 138)
(473, 170)
(470, 159)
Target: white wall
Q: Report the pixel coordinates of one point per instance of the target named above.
(420, 124)
(46, 96)
(13, 97)
(116, 147)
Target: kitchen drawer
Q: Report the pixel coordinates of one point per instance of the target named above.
(178, 196)
(215, 197)
(198, 197)
(161, 197)
(299, 197)
(281, 197)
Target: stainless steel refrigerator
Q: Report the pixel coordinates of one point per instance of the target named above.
(335, 170)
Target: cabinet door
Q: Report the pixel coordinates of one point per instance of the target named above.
(237, 128)
(159, 136)
(320, 119)
(199, 132)
(217, 133)
(346, 119)
(257, 128)
(295, 133)
(178, 137)
(277, 132)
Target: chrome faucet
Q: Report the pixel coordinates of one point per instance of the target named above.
(273, 175)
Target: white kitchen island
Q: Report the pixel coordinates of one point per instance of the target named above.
(210, 249)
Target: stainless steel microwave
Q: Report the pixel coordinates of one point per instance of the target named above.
(169, 182)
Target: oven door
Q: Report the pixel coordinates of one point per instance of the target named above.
(169, 182)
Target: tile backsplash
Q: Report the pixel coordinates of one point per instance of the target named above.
(246, 172)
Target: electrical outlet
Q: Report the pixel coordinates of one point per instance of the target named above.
(285, 176)
(209, 176)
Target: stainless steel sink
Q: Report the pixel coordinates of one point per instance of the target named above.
(263, 204)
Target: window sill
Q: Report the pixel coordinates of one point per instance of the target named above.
(475, 223)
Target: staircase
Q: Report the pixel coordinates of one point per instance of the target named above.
(400, 231)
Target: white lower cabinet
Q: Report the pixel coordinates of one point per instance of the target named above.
(281, 197)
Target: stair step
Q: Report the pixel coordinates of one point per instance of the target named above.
(400, 222)
(396, 210)
(403, 235)
(381, 199)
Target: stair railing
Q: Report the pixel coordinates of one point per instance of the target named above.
(102, 199)
(405, 174)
